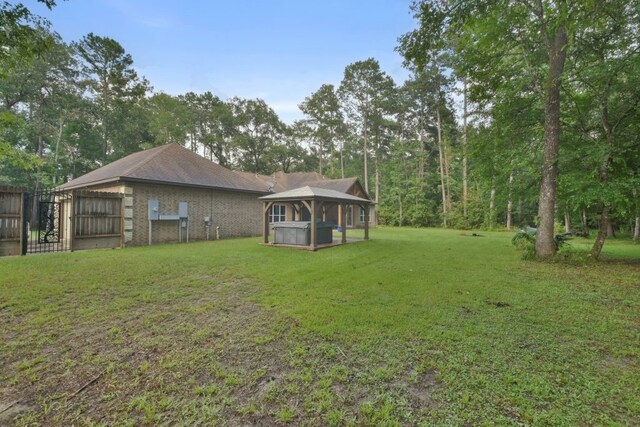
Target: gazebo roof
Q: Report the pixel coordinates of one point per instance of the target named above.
(307, 192)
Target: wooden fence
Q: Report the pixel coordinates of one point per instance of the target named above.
(11, 213)
(59, 220)
(97, 220)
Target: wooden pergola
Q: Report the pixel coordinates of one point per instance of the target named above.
(315, 200)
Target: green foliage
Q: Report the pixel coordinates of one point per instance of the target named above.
(525, 241)
(258, 131)
(67, 110)
(503, 51)
(168, 119)
(117, 91)
(20, 39)
(367, 95)
(13, 162)
(326, 127)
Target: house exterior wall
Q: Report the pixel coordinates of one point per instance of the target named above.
(358, 191)
(237, 214)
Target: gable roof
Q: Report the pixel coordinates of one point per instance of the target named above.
(168, 164)
(308, 192)
(343, 184)
(281, 181)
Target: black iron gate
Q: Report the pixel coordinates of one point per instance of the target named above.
(47, 226)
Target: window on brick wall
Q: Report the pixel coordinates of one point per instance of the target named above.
(278, 213)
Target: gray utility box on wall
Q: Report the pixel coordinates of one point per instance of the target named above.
(183, 210)
(154, 210)
(292, 233)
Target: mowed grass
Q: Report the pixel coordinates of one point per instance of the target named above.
(415, 327)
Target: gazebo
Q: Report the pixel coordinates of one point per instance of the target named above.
(315, 200)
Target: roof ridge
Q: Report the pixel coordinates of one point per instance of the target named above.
(138, 165)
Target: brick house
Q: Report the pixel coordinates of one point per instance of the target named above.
(280, 182)
(219, 201)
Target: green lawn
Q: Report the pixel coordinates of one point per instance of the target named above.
(415, 327)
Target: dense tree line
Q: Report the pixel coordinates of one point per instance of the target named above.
(554, 84)
(545, 127)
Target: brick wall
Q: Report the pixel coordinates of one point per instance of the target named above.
(237, 214)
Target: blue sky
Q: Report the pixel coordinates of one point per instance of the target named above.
(277, 50)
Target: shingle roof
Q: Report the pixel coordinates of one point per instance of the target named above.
(288, 181)
(343, 185)
(170, 164)
(265, 182)
(281, 181)
(307, 192)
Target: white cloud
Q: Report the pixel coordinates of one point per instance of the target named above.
(285, 107)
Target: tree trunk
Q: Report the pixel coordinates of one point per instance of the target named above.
(585, 223)
(442, 178)
(447, 175)
(377, 181)
(465, 191)
(492, 203)
(636, 229)
(602, 233)
(603, 230)
(510, 204)
(377, 186)
(332, 159)
(320, 154)
(364, 154)
(556, 48)
(55, 153)
(342, 159)
(567, 221)
(421, 161)
(194, 142)
(105, 130)
(610, 231)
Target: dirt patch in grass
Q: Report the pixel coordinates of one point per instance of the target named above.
(10, 410)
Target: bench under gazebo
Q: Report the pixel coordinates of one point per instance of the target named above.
(318, 202)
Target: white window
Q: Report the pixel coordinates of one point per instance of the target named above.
(362, 215)
(349, 216)
(278, 213)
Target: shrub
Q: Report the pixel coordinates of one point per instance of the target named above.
(525, 241)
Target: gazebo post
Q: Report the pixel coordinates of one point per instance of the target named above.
(366, 222)
(343, 210)
(314, 230)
